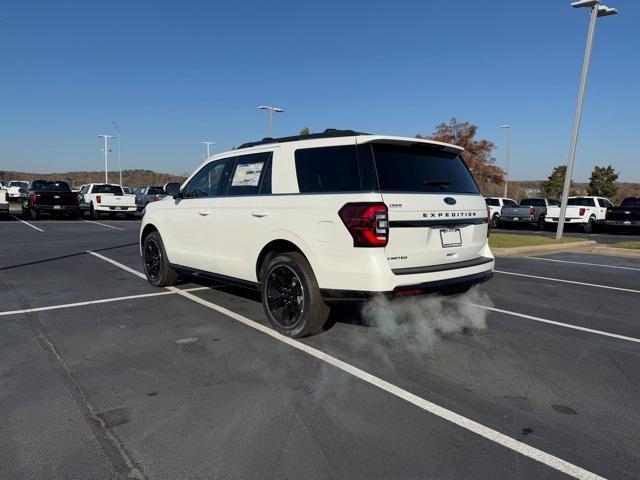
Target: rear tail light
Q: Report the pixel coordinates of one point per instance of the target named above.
(368, 223)
(76, 199)
(98, 199)
(607, 215)
(33, 198)
(582, 210)
(488, 222)
(407, 293)
(532, 211)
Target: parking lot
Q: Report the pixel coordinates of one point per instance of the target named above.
(104, 376)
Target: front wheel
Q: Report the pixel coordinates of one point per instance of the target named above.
(156, 265)
(291, 297)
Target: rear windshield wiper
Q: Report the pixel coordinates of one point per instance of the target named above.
(441, 183)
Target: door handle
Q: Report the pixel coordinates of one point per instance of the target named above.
(204, 213)
(259, 213)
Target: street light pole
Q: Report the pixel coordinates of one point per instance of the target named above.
(597, 10)
(119, 145)
(506, 167)
(271, 109)
(208, 144)
(106, 155)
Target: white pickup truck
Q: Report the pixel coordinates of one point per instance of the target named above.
(13, 190)
(99, 198)
(4, 202)
(494, 206)
(588, 212)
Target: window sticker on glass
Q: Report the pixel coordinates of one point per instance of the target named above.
(247, 175)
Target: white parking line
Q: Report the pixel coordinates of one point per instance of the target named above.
(582, 263)
(569, 281)
(27, 223)
(559, 324)
(105, 225)
(95, 302)
(446, 414)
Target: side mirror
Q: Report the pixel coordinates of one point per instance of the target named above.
(172, 189)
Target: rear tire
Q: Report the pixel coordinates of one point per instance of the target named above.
(33, 214)
(495, 220)
(156, 265)
(590, 226)
(541, 225)
(291, 297)
(93, 213)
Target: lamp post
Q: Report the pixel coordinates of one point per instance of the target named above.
(106, 155)
(597, 10)
(208, 144)
(506, 166)
(119, 158)
(271, 109)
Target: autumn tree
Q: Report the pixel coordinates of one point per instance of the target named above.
(477, 154)
(554, 184)
(602, 182)
(305, 131)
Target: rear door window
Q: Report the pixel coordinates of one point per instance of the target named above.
(328, 169)
(492, 202)
(509, 204)
(249, 173)
(604, 203)
(421, 169)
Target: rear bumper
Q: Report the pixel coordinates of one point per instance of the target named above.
(525, 219)
(115, 208)
(622, 223)
(4, 207)
(436, 286)
(55, 208)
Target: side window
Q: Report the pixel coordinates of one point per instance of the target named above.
(206, 183)
(84, 189)
(604, 203)
(250, 174)
(510, 203)
(328, 169)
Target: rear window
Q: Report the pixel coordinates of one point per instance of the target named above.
(421, 169)
(581, 202)
(532, 202)
(19, 184)
(492, 202)
(630, 202)
(154, 191)
(115, 189)
(328, 169)
(52, 186)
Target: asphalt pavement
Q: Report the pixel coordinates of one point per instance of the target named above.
(533, 375)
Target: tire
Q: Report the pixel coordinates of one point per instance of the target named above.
(33, 214)
(541, 225)
(130, 216)
(495, 220)
(94, 213)
(303, 312)
(154, 261)
(590, 226)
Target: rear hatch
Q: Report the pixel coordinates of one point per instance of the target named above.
(516, 212)
(436, 213)
(56, 198)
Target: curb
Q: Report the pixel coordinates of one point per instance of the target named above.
(615, 252)
(587, 245)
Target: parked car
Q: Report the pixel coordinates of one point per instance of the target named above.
(127, 190)
(100, 198)
(627, 215)
(14, 189)
(146, 195)
(4, 202)
(51, 197)
(323, 218)
(530, 211)
(586, 212)
(495, 204)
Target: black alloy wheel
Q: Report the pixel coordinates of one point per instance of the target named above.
(285, 297)
(152, 259)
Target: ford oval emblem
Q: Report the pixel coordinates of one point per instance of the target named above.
(450, 201)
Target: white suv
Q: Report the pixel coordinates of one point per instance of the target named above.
(330, 217)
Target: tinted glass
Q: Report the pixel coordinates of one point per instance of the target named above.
(84, 189)
(509, 203)
(154, 191)
(631, 202)
(581, 202)
(328, 169)
(492, 202)
(104, 188)
(248, 173)
(419, 168)
(555, 203)
(51, 186)
(206, 182)
(533, 202)
(265, 183)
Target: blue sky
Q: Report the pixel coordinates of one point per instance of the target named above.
(175, 73)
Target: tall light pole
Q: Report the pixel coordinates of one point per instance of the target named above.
(119, 142)
(506, 165)
(597, 10)
(208, 144)
(271, 109)
(106, 155)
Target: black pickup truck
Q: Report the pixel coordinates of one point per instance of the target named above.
(627, 215)
(54, 198)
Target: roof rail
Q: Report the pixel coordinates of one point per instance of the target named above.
(328, 133)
